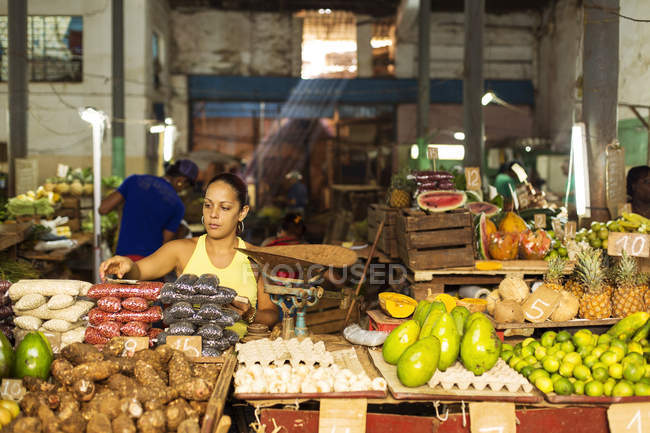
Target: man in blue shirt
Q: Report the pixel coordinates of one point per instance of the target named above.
(152, 209)
(297, 195)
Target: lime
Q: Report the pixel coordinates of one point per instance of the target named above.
(551, 255)
(527, 351)
(615, 371)
(620, 353)
(517, 349)
(513, 361)
(568, 346)
(579, 387)
(544, 384)
(553, 349)
(604, 339)
(641, 389)
(566, 369)
(592, 236)
(584, 351)
(604, 244)
(573, 358)
(560, 354)
(551, 233)
(580, 237)
(562, 386)
(540, 352)
(538, 372)
(599, 365)
(603, 234)
(555, 377)
(11, 406)
(634, 358)
(647, 371)
(590, 360)
(594, 388)
(527, 341)
(563, 336)
(596, 243)
(623, 389)
(608, 358)
(581, 339)
(507, 355)
(634, 347)
(608, 386)
(582, 372)
(5, 416)
(599, 350)
(596, 225)
(551, 364)
(618, 343)
(645, 380)
(633, 372)
(600, 374)
(527, 371)
(505, 347)
(530, 360)
(562, 251)
(535, 344)
(520, 365)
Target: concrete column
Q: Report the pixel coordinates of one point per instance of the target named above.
(600, 90)
(18, 85)
(473, 84)
(364, 50)
(118, 160)
(424, 25)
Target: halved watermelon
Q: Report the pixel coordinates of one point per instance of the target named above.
(482, 238)
(478, 207)
(441, 201)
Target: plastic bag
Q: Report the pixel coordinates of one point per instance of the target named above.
(135, 329)
(220, 344)
(93, 336)
(135, 304)
(231, 336)
(208, 351)
(110, 304)
(161, 337)
(58, 302)
(210, 332)
(181, 328)
(224, 319)
(184, 284)
(179, 310)
(356, 335)
(206, 284)
(30, 301)
(168, 295)
(209, 312)
(109, 329)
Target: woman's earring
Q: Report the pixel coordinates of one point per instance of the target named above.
(241, 230)
(202, 220)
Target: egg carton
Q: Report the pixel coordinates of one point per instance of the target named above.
(498, 377)
(279, 352)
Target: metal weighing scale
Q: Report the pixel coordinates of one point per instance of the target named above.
(297, 294)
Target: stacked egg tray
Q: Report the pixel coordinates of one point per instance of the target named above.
(279, 351)
(497, 378)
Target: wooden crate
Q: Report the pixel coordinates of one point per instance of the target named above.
(328, 315)
(438, 240)
(387, 243)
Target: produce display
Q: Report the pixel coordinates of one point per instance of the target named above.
(6, 312)
(154, 391)
(41, 202)
(597, 236)
(611, 364)
(197, 306)
(430, 180)
(396, 305)
(123, 310)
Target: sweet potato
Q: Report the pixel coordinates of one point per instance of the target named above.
(78, 353)
(152, 422)
(123, 424)
(99, 423)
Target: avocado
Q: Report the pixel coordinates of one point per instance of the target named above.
(399, 339)
(418, 363)
(445, 330)
(7, 356)
(480, 347)
(33, 357)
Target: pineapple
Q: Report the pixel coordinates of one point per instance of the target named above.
(596, 302)
(628, 296)
(553, 277)
(399, 195)
(574, 287)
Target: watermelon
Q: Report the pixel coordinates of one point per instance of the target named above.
(482, 238)
(441, 201)
(476, 208)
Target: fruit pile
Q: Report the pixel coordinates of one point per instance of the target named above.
(597, 236)
(611, 364)
(434, 339)
(429, 180)
(513, 239)
(9, 410)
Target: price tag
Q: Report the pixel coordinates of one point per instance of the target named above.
(342, 415)
(634, 244)
(629, 418)
(540, 220)
(134, 344)
(190, 344)
(432, 152)
(540, 304)
(62, 170)
(570, 229)
(624, 208)
(473, 178)
(12, 389)
(492, 418)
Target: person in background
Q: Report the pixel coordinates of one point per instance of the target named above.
(505, 180)
(152, 208)
(297, 196)
(291, 231)
(638, 189)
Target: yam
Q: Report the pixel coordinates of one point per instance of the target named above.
(75, 423)
(508, 311)
(31, 401)
(131, 407)
(207, 372)
(110, 405)
(152, 422)
(35, 384)
(68, 405)
(49, 421)
(176, 412)
(146, 375)
(79, 353)
(123, 385)
(153, 358)
(83, 389)
(95, 371)
(199, 407)
(190, 425)
(164, 352)
(28, 424)
(123, 424)
(114, 347)
(99, 423)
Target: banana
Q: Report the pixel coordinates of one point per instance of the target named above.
(636, 218)
(628, 225)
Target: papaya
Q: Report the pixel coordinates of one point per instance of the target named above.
(626, 327)
(399, 340)
(33, 357)
(440, 306)
(396, 305)
(642, 332)
(445, 330)
(7, 356)
(418, 363)
(460, 315)
(421, 311)
(480, 347)
(430, 323)
(475, 316)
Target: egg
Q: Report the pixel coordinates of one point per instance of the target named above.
(378, 384)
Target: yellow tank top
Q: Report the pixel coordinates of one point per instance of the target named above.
(238, 275)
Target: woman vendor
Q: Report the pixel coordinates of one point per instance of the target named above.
(224, 209)
(638, 189)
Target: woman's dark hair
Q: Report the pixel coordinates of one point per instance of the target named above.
(634, 175)
(293, 224)
(236, 183)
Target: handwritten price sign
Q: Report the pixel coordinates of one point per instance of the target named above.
(629, 418)
(190, 344)
(492, 418)
(473, 178)
(12, 389)
(540, 221)
(540, 304)
(634, 244)
(342, 415)
(134, 344)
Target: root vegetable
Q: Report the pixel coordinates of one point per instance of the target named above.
(99, 423)
(123, 424)
(154, 404)
(110, 405)
(123, 385)
(190, 425)
(131, 407)
(176, 412)
(73, 424)
(164, 352)
(68, 405)
(49, 421)
(207, 372)
(166, 394)
(35, 384)
(125, 365)
(78, 353)
(152, 422)
(83, 389)
(153, 358)
(95, 371)
(61, 370)
(508, 311)
(199, 407)
(30, 403)
(114, 347)
(180, 378)
(28, 424)
(146, 375)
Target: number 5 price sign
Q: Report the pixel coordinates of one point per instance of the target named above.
(629, 418)
(540, 304)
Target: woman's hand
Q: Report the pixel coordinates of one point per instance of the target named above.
(118, 265)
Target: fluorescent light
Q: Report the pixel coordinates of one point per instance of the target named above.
(92, 116)
(581, 169)
(415, 151)
(450, 151)
(157, 129)
(459, 135)
(169, 136)
(321, 11)
(169, 121)
(528, 148)
(328, 11)
(488, 97)
(380, 43)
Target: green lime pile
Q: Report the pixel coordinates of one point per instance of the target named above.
(614, 364)
(557, 248)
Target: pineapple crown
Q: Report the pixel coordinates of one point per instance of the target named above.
(401, 181)
(642, 278)
(555, 270)
(626, 270)
(589, 269)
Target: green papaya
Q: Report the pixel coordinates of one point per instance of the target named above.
(430, 322)
(627, 326)
(475, 316)
(7, 356)
(480, 347)
(418, 363)
(460, 315)
(399, 340)
(642, 332)
(421, 311)
(438, 306)
(445, 330)
(33, 357)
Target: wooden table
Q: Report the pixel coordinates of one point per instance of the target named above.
(60, 254)
(12, 234)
